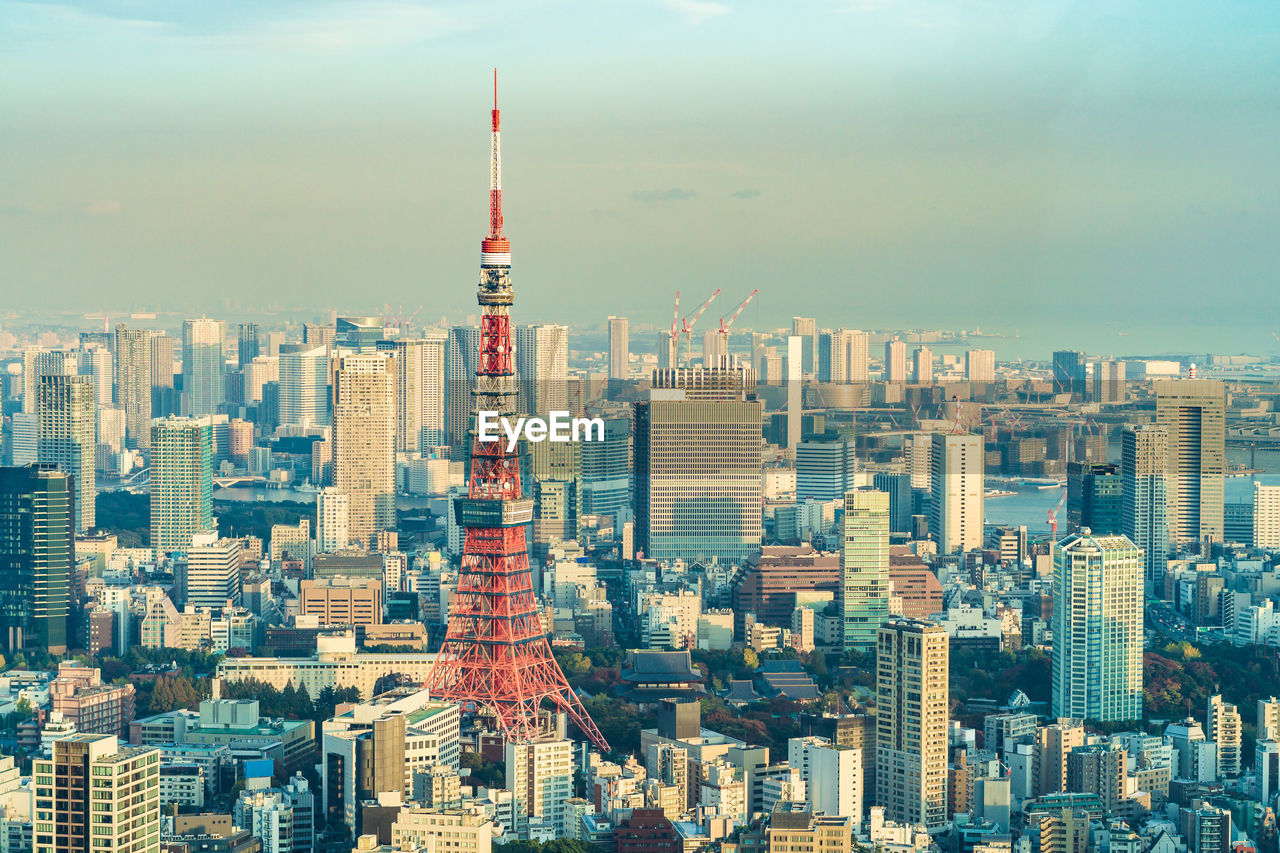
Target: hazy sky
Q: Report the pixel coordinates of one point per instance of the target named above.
(873, 162)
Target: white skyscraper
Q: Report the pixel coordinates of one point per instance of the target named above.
(619, 348)
(895, 360)
(203, 367)
(67, 425)
(980, 365)
(956, 492)
(364, 433)
(419, 391)
(332, 526)
(540, 775)
(304, 385)
(542, 363)
(1266, 517)
(1097, 628)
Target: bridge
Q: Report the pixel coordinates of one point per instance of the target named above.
(239, 480)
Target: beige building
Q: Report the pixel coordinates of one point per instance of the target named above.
(1193, 413)
(912, 715)
(342, 601)
(335, 665)
(68, 418)
(364, 435)
(957, 491)
(91, 706)
(123, 785)
(455, 830)
(980, 365)
(1049, 763)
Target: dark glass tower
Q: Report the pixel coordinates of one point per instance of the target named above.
(37, 550)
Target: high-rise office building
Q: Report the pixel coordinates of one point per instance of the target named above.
(826, 467)
(806, 328)
(133, 383)
(895, 360)
(37, 553)
(1266, 517)
(605, 476)
(68, 421)
(542, 363)
(1108, 382)
(164, 396)
(203, 367)
(95, 794)
(1094, 498)
(956, 492)
(697, 466)
(715, 347)
(922, 366)
(1097, 628)
(912, 717)
(461, 360)
(1144, 516)
(364, 457)
(209, 574)
(248, 348)
(181, 482)
(898, 488)
(619, 348)
(96, 362)
(1069, 372)
(318, 335)
(864, 567)
(980, 365)
(304, 385)
(419, 391)
(257, 373)
(1193, 411)
(38, 362)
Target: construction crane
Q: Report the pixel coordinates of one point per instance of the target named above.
(673, 337)
(687, 330)
(726, 325)
(1053, 515)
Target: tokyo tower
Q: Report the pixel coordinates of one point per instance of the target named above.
(495, 659)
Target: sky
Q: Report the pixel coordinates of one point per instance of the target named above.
(1056, 167)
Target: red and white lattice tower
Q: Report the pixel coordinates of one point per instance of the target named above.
(496, 660)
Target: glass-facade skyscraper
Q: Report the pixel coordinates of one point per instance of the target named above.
(37, 551)
(203, 367)
(181, 482)
(1144, 515)
(864, 567)
(1097, 628)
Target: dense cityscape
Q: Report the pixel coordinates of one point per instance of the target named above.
(677, 580)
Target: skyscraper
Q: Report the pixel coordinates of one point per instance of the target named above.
(1144, 516)
(922, 365)
(980, 365)
(248, 348)
(364, 457)
(68, 422)
(38, 362)
(419, 391)
(1097, 628)
(605, 477)
(842, 356)
(462, 358)
(164, 397)
(1266, 517)
(333, 532)
(1068, 372)
(133, 384)
(1193, 411)
(202, 367)
(697, 458)
(864, 567)
(542, 363)
(96, 362)
(304, 385)
(1108, 382)
(1222, 726)
(98, 795)
(1094, 498)
(37, 552)
(826, 467)
(912, 716)
(619, 348)
(895, 360)
(181, 482)
(956, 492)
(806, 328)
